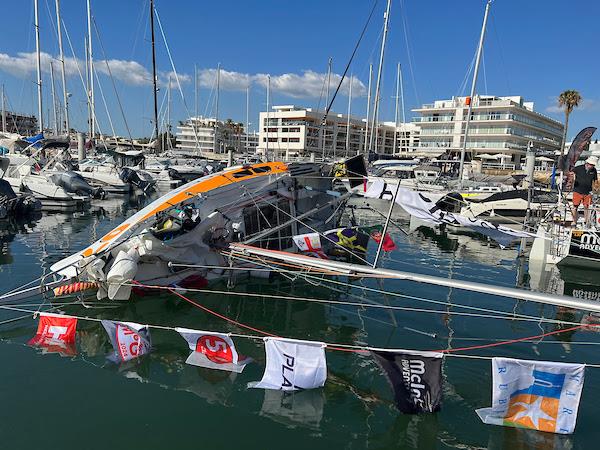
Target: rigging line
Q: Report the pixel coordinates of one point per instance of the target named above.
(112, 127)
(112, 80)
(396, 294)
(542, 342)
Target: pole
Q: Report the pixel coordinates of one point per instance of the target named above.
(379, 71)
(473, 86)
(348, 122)
(268, 120)
(324, 124)
(91, 56)
(215, 143)
(247, 117)
(196, 90)
(3, 111)
(87, 83)
(385, 226)
(63, 70)
(154, 78)
(365, 147)
(39, 67)
(54, 111)
(168, 130)
(396, 112)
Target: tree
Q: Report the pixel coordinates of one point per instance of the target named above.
(567, 100)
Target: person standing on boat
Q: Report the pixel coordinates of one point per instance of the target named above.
(584, 177)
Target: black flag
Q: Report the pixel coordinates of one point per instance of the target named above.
(416, 378)
(580, 144)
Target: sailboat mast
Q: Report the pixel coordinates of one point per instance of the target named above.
(63, 71)
(349, 111)
(268, 119)
(168, 130)
(53, 90)
(365, 146)
(396, 112)
(3, 111)
(379, 71)
(154, 80)
(216, 141)
(39, 67)
(196, 90)
(91, 68)
(471, 98)
(248, 117)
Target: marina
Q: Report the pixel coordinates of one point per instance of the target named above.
(324, 279)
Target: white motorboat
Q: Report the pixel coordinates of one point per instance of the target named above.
(105, 174)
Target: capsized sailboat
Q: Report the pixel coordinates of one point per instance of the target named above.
(180, 238)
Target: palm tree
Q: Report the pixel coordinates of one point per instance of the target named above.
(567, 100)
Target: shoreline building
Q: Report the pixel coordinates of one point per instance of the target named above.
(230, 135)
(290, 131)
(19, 123)
(500, 126)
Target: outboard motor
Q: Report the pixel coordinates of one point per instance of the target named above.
(17, 205)
(140, 179)
(175, 175)
(75, 183)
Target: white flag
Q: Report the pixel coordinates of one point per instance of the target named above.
(213, 350)
(293, 365)
(130, 340)
(539, 395)
(309, 242)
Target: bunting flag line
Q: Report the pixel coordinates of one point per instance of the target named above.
(415, 377)
(213, 351)
(129, 340)
(539, 395)
(423, 207)
(55, 334)
(293, 365)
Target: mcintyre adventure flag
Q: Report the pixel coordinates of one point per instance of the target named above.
(540, 395)
(423, 207)
(213, 350)
(293, 365)
(415, 377)
(55, 334)
(375, 232)
(129, 340)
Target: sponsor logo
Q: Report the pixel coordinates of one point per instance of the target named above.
(588, 241)
(215, 348)
(412, 371)
(287, 369)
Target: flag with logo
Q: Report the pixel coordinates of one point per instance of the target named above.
(55, 334)
(213, 351)
(348, 238)
(539, 395)
(310, 243)
(129, 340)
(376, 232)
(293, 365)
(415, 377)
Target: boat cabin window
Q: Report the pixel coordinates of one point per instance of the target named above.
(242, 173)
(262, 217)
(262, 169)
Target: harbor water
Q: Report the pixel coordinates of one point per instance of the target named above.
(86, 402)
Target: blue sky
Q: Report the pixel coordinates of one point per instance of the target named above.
(532, 49)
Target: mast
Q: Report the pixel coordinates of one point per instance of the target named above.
(3, 111)
(328, 82)
(87, 84)
(349, 110)
(154, 79)
(365, 146)
(168, 130)
(196, 90)
(402, 105)
(396, 112)
(217, 106)
(324, 124)
(471, 98)
(91, 57)
(248, 117)
(54, 111)
(63, 71)
(379, 70)
(39, 67)
(268, 120)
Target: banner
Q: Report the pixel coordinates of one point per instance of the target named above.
(55, 334)
(415, 377)
(421, 206)
(539, 395)
(580, 144)
(130, 340)
(293, 365)
(213, 351)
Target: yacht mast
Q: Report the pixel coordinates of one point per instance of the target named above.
(216, 141)
(379, 70)
(53, 90)
(63, 72)
(3, 111)
(324, 124)
(196, 90)
(348, 121)
(365, 146)
(472, 96)
(154, 79)
(91, 57)
(39, 67)
(247, 117)
(397, 97)
(268, 123)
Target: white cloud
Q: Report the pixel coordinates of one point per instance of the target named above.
(587, 104)
(310, 84)
(228, 80)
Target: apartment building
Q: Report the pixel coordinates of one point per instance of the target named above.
(197, 134)
(498, 126)
(19, 123)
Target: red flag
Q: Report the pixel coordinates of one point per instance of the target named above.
(56, 334)
(388, 243)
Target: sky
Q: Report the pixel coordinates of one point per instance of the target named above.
(535, 48)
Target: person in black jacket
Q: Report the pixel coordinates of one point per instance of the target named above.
(584, 178)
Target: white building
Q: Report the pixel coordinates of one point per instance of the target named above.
(499, 126)
(198, 134)
(289, 131)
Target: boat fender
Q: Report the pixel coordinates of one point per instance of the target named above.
(123, 270)
(72, 288)
(96, 270)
